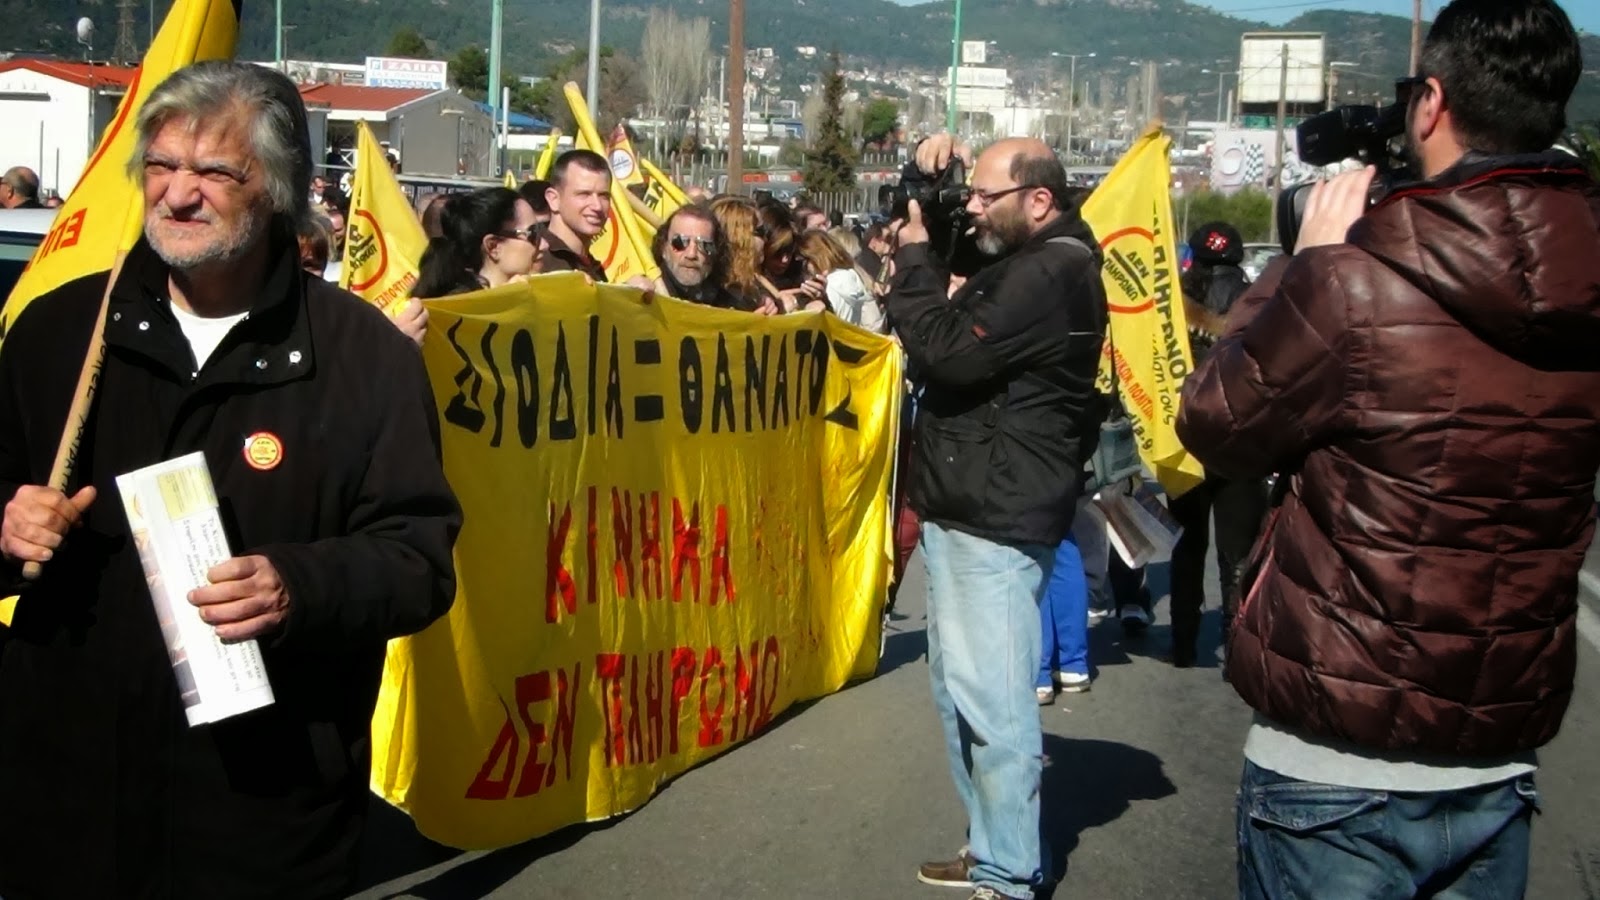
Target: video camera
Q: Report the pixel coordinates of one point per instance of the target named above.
(1365, 133)
(943, 201)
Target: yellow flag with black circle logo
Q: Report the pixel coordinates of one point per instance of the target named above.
(384, 244)
(1146, 357)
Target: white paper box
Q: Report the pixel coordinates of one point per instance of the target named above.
(172, 512)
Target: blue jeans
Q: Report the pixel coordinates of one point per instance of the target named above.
(983, 648)
(1298, 839)
(1064, 616)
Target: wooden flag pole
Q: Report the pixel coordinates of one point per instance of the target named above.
(82, 401)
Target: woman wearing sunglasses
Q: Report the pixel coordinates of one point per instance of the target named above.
(490, 237)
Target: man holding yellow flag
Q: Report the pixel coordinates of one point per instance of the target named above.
(210, 339)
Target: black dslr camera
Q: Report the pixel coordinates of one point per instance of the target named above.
(943, 201)
(1366, 133)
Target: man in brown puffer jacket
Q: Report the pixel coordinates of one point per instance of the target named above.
(1427, 376)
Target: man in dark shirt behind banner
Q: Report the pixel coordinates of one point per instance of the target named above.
(580, 202)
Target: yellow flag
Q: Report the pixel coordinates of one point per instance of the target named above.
(622, 249)
(383, 251)
(510, 180)
(659, 181)
(104, 216)
(1131, 214)
(624, 161)
(547, 156)
(634, 171)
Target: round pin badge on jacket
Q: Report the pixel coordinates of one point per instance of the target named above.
(263, 451)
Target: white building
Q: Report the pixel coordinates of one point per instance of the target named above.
(54, 113)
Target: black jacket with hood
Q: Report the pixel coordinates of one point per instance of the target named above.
(1008, 366)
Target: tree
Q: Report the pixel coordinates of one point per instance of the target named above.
(1249, 210)
(830, 160)
(622, 89)
(470, 69)
(408, 42)
(673, 54)
(879, 120)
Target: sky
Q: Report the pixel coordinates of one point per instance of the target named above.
(1585, 13)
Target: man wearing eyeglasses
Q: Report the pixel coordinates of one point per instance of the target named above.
(1008, 366)
(1423, 375)
(688, 248)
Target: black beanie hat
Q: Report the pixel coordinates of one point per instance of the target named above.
(1217, 243)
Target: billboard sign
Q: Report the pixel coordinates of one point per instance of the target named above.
(1261, 67)
(980, 97)
(980, 77)
(974, 53)
(389, 71)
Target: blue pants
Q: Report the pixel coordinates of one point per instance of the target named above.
(1064, 616)
(1298, 839)
(983, 647)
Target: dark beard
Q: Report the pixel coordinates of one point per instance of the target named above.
(1003, 236)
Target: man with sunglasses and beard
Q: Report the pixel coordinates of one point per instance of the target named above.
(689, 249)
(1422, 374)
(1008, 366)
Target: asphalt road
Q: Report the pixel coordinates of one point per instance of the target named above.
(846, 795)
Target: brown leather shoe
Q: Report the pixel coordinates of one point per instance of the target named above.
(947, 873)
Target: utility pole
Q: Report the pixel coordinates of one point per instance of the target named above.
(278, 32)
(1416, 35)
(955, 64)
(127, 49)
(496, 14)
(1283, 114)
(736, 97)
(594, 59)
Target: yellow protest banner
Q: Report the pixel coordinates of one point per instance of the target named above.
(677, 524)
(104, 215)
(1131, 214)
(383, 250)
(623, 249)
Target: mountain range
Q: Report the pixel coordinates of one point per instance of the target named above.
(1183, 37)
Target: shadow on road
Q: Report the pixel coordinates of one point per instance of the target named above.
(1110, 646)
(1091, 783)
(392, 848)
(905, 645)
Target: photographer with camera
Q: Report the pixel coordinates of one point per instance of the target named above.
(1007, 366)
(1423, 376)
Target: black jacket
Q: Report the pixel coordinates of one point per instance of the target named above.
(1008, 366)
(105, 789)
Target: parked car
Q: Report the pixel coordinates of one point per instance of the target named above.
(21, 230)
(1256, 257)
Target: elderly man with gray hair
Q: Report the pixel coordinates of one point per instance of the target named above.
(318, 425)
